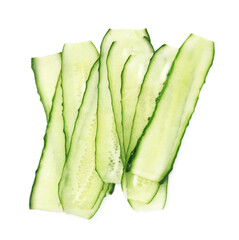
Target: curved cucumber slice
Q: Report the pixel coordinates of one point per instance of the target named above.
(157, 203)
(118, 54)
(156, 75)
(156, 151)
(46, 71)
(77, 61)
(152, 85)
(80, 185)
(108, 157)
(44, 195)
(140, 189)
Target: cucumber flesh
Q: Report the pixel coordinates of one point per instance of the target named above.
(80, 185)
(77, 61)
(118, 54)
(132, 78)
(157, 203)
(108, 156)
(46, 71)
(44, 195)
(157, 148)
(155, 76)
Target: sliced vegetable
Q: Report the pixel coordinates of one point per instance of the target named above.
(44, 195)
(157, 148)
(77, 61)
(80, 185)
(108, 156)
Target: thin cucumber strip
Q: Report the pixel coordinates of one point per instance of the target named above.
(44, 195)
(152, 85)
(46, 71)
(108, 156)
(80, 185)
(132, 78)
(77, 61)
(118, 54)
(157, 203)
(154, 78)
(157, 148)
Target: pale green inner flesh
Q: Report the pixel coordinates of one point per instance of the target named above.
(77, 61)
(45, 190)
(173, 110)
(80, 185)
(108, 156)
(46, 70)
(156, 75)
(157, 203)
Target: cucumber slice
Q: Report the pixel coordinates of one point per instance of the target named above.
(44, 195)
(157, 203)
(154, 79)
(46, 71)
(80, 185)
(156, 75)
(119, 52)
(108, 156)
(132, 78)
(157, 148)
(77, 61)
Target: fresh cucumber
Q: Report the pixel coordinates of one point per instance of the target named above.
(77, 61)
(80, 185)
(154, 155)
(154, 79)
(132, 77)
(118, 54)
(157, 203)
(44, 195)
(109, 158)
(46, 71)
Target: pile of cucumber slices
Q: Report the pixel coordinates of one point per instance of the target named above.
(116, 116)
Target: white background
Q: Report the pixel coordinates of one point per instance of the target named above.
(203, 192)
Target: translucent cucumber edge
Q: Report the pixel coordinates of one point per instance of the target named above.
(83, 99)
(134, 152)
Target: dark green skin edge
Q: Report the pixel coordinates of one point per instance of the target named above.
(83, 99)
(45, 143)
(111, 188)
(133, 153)
(101, 46)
